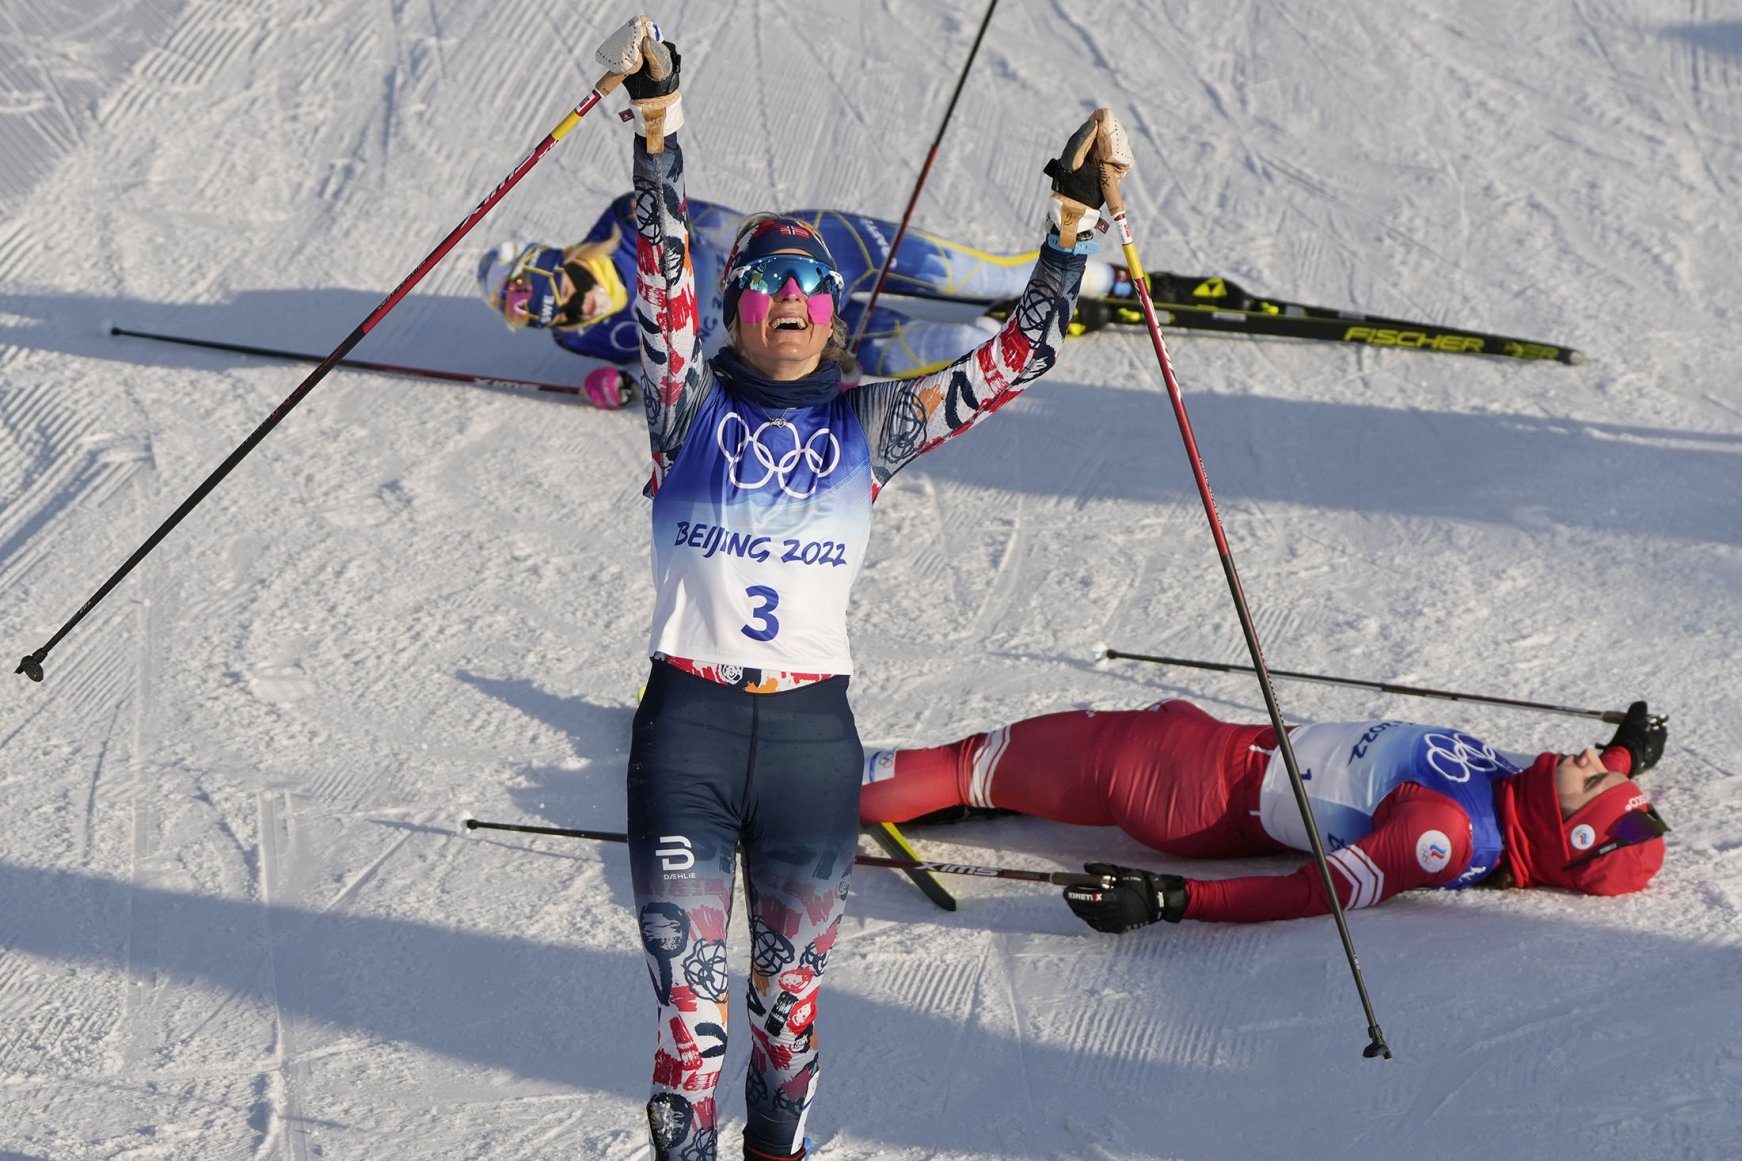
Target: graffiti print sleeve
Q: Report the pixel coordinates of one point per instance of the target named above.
(676, 377)
(906, 417)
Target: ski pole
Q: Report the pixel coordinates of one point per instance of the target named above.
(355, 364)
(1056, 878)
(1115, 202)
(31, 666)
(924, 172)
(1613, 717)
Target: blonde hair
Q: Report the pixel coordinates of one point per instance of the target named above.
(590, 251)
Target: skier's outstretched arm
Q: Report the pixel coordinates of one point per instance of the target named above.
(908, 417)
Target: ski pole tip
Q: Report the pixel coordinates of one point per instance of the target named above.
(31, 667)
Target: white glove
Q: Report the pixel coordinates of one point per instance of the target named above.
(621, 51)
(650, 79)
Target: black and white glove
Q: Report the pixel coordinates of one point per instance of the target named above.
(649, 67)
(1096, 154)
(1136, 898)
(1642, 735)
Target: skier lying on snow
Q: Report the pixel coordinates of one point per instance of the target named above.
(1398, 806)
(580, 293)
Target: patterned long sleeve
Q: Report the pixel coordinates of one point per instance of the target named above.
(905, 418)
(675, 376)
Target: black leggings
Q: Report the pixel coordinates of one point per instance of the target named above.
(712, 769)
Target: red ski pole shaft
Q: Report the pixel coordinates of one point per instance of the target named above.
(31, 665)
(1376, 1045)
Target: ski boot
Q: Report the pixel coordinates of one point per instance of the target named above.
(1092, 314)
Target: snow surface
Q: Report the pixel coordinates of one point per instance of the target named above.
(237, 916)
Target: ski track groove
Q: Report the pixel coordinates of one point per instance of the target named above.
(995, 603)
(291, 1075)
(16, 242)
(87, 834)
(140, 948)
(56, 479)
(997, 949)
(182, 64)
(362, 877)
(1713, 81)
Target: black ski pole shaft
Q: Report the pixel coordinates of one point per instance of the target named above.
(352, 364)
(1376, 1045)
(1056, 878)
(924, 172)
(31, 665)
(1279, 318)
(1613, 717)
(895, 844)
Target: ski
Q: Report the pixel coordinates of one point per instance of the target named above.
(895, 844)
(353, 364)
(1056, 878)
(1211, 303)
(1298, 321)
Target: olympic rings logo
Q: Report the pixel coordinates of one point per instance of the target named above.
(1456, 757)
(820, 455)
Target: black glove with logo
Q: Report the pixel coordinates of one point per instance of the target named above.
(635, 52)
(1642, 736)
(641, 85)
(1136, 899)
(1096, 153)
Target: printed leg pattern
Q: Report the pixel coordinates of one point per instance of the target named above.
(795, 915)
(711, 769)
(683, 855)
(685, 940)
(799, 838)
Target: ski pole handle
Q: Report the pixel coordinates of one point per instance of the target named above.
(655, 69)
(1116, 212)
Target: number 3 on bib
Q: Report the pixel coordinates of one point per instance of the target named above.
(764, 625)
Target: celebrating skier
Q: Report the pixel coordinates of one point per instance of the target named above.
(764, 473)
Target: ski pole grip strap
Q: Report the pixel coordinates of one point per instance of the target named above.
(1110, 188)
(657, 61)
